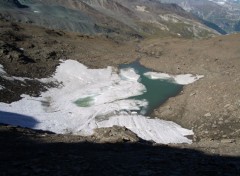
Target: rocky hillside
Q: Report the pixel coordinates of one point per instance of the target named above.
(211, 107)
(215, 13)
(134, 19)
(25, 50)
(34, 52)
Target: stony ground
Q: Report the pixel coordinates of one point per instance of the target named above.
(34, 52)
(209, 106)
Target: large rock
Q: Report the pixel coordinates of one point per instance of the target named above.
(115, 134)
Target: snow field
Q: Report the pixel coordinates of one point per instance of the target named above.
(105, 93)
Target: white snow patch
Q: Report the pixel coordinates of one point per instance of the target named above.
(4, 75)
(160, 131)
(101, 94)
(170, 17)
(219, 2)
(2, 71)
(186, 6)
(141, 9)
(129, 73)
(179, 79)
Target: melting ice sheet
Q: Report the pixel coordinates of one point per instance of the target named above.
(179, 79)
(88, 99)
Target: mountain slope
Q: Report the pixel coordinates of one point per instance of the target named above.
(223, 13)
(30, 51)
(136, 18)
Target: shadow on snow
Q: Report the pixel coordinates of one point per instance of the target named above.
(17, 119)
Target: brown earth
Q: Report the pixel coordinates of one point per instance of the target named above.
(210, 106)
(34, 52)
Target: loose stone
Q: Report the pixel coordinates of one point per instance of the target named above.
(208, 115)
(228, 141)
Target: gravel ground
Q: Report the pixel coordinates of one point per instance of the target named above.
(210, 106)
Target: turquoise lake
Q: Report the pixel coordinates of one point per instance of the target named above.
(158, 91)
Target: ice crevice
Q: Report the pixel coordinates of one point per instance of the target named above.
(65, 109)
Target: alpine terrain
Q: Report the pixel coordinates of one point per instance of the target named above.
(119, 87)
(221, 15)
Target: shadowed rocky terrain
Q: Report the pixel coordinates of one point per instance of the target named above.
(26, 152)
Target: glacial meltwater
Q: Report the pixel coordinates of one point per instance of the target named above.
(157, 90)
(100, 98)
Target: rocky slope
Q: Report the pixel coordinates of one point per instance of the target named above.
(213, 114)
(220, 13)
(25, 50)
(126, 19)
(210, 107)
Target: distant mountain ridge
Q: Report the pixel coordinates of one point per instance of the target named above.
(223, 13)
(130, 18)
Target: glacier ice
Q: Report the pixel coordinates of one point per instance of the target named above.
(88, 99)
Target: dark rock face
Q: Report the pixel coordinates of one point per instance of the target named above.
(19, 5)
(14, 4)
(115, 134)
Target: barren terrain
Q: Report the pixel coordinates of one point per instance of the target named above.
(210, 106)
